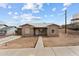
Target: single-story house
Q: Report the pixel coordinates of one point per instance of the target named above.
(9, 30)
(40, 29)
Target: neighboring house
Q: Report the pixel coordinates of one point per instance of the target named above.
(75, 19)
(74, 22)
(40, 29)
(10, 30)
(2, 26)
(74, 25)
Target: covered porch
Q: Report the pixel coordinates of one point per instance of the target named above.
(40, 31)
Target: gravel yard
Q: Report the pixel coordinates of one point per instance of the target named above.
(62, 40)
(23, 42)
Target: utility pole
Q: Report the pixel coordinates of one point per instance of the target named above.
(65, 21)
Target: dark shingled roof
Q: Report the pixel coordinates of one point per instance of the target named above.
(75, 19)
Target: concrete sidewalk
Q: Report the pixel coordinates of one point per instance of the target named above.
(51, 51)
(39, 43)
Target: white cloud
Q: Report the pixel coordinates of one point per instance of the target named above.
(9, 6)
(3, 5)
(11, 22)
(28, 6)
(26, 17)
(54, 9)
(13, 13)
(15, 17)
(10, 13)
(16, 13)
(35, 11)
(35, 7)
(64, 8)
(29, 17)
(66, 5)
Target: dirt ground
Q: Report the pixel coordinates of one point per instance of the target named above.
(2, 36)
(23, 42)
(62, 40)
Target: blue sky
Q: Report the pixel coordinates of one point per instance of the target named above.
(20, 13)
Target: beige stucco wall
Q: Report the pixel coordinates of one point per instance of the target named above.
(49, 31)
(27, 30)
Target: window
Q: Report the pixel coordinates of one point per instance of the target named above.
(52, 31)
